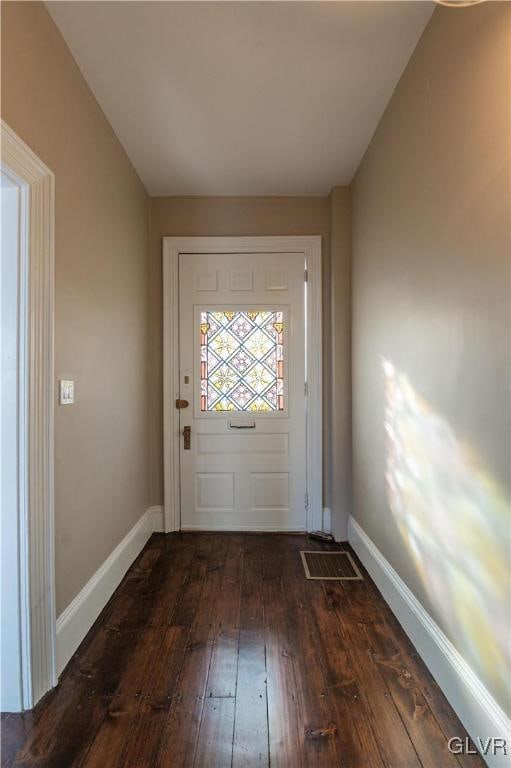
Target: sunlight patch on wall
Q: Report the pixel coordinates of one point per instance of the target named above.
(455, 522)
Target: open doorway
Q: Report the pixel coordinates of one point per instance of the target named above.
(13, 634)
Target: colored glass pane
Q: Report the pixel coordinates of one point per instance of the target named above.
(242, 365)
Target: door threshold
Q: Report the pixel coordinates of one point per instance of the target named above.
(240, 529)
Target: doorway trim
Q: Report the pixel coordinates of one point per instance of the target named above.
(310, 246)
(36, 559)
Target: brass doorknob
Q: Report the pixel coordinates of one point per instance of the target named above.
(182, 404)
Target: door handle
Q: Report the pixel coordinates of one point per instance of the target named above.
(187, 438)
(182, 404)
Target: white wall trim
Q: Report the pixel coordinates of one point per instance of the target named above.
(472, 702)
(35, 419)
(158, 521)
(310, 246)
(81, 613)
(247, 528)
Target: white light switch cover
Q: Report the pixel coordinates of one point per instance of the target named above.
(66, 392)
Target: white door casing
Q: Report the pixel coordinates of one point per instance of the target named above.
(259, 483)
(244, 469)
(35, 556)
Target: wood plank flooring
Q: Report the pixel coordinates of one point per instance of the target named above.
(216, 652)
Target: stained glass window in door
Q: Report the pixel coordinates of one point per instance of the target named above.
(242, 365)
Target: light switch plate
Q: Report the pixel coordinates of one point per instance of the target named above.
(66, 392)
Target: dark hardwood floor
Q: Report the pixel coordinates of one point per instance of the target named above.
(215, 651)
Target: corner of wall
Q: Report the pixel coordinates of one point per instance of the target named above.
(340, 387)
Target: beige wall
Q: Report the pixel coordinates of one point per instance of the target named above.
(231, 216)
(101, 308)
(431, 332)
(340, 373)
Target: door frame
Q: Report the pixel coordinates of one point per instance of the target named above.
(36, 557)
(310, 246)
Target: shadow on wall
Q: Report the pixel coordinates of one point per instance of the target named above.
(455, 522)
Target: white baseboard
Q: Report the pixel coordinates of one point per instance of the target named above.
(158, 519)
(246, 528)
(327, 520)
(470, 699)
(79, 616)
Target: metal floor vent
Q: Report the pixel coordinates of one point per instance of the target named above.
(329, 565)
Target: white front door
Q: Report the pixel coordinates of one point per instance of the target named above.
(242, 373)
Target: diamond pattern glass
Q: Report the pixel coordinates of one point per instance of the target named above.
(242, 364)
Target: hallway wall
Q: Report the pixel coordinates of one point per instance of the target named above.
(234, 216)
(101, 308)
(431, 333)
(339, 395)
